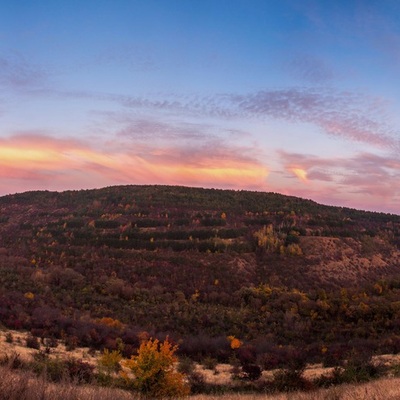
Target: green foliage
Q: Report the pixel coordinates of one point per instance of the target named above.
(57, 369)
(290, 380)
(186, 365)
(109, 361)
(210, 363)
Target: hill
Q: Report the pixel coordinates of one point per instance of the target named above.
(96, 267)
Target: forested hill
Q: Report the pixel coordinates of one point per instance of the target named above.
(300, 241)
(197, 264)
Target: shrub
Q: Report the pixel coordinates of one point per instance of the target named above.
(109, 361)
(210, 363)
(9, 337)
(13, 361)
(51, 342)
(58, 370)
(153, 368)
(185, 366)
(71, 343)
(251, 372)
(290, 380)
(32, 342)
(79, 370)
(52, 369)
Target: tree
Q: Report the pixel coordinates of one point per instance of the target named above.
(267, 238)
(153, 368)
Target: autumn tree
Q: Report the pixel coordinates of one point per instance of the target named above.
(153, 368)
(267, 238)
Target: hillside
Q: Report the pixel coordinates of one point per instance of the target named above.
(94, 266)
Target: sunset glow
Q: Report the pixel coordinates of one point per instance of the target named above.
(300, 173)
(267, 96)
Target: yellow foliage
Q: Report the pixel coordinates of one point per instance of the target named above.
(29, 295)
(110, 360)
(195, 295)
(294, 250)
(267, 238)
(153, 368)
(378, 288)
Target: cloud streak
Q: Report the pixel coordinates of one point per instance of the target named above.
(364, 178)
(343, 114)
(17, 73)
(346, 115)
(68, 163)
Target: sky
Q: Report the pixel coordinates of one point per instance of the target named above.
(296, 97)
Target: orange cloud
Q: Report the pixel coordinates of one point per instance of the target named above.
(59, 164)
(300, 173)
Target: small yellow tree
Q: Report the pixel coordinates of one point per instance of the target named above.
(109, 361)
(267, 238)
(154, 372)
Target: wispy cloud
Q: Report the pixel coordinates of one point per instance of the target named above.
(16, 72)
(341, 114)
(310, 68)
(348, 115)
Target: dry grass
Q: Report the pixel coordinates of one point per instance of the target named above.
(19, 346)
(383, 389)
(22, 385)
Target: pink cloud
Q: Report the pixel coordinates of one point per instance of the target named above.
(362, 181)
(40, 161)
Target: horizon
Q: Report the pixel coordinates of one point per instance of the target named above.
(282, 97)
(194, 187)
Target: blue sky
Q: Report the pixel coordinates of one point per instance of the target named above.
(296, 97)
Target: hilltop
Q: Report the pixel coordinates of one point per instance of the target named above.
(94, 266)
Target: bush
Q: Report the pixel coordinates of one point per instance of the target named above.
(79, 370)
(9, 337)
(357, 368)
(109, 361)
(58, 370)
(251, 372)
(32, 342)
(210, 363)
(290, 380)
(13, 361)
(185, 366)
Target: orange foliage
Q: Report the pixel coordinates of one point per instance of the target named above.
(113, 323)
(235, 342)
(154, 372)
